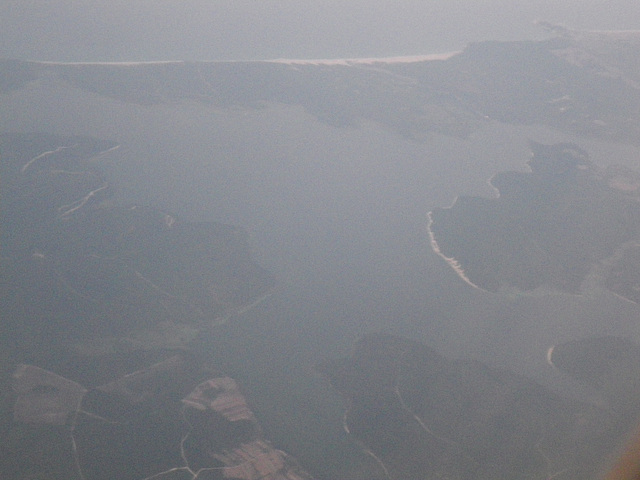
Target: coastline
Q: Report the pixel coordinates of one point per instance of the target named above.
(451, 261)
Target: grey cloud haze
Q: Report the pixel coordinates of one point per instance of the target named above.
(77, 30)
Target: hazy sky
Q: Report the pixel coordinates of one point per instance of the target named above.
(84, 30)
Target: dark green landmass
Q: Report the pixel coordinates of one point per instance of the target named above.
(548, 227)
(426, 416)
(578, 82)
(80, 267)
(95, 289)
